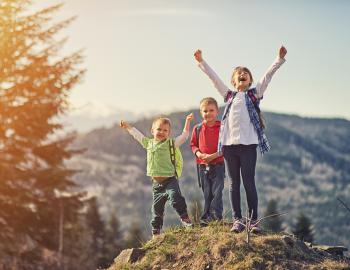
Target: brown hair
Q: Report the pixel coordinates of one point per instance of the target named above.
(208, 101)
(239, 68)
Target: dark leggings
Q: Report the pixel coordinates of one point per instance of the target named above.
(241, 160)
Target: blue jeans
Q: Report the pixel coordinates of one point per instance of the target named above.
(212, 179)
(241, 160)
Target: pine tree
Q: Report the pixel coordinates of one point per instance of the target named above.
(303, 228)
(98, 230)
(273, 224)
(35, 81)
(77, 253)
(113, 242)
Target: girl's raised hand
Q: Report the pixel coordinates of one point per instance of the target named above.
(198, 55)
(282, 52)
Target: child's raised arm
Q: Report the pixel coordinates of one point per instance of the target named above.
(265, 80)
(198, 56)
(132, 131)
(125, 125)
(189, 118)
(282, 52)
(218, 83)
(186, 131)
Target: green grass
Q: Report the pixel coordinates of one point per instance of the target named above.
(215, 246)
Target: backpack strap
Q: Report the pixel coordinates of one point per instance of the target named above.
(253, 98)
(198, 130)
(172, 155)
(229, 98)
(255, 101)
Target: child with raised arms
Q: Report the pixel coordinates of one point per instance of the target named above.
(241, 131)
(162, 166)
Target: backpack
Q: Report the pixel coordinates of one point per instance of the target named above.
(176, 158)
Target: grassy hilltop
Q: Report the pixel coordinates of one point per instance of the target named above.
(215, 247)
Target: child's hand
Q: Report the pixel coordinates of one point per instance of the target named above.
(207, 157)
(198, 56)
(189, 117)
(125, 125)
(282, 52)
(210, 157)
(202, 156)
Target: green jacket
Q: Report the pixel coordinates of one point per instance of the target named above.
(158, 158)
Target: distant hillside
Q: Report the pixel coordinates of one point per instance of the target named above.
(91, 115)
(216, 248)
(306, 170)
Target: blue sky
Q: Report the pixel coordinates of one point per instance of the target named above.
(139, 54)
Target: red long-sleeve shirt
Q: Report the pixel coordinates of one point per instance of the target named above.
(208, 141)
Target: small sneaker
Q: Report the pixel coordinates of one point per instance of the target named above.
(254, 227)
(186, 222)
(237, 226)
(155, 232)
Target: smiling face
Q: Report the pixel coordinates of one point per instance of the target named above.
(160, 129)
(241, 78)
(209, 112)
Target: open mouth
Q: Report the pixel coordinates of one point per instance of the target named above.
(242, 79)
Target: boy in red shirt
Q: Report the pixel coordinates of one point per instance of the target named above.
(211, 165)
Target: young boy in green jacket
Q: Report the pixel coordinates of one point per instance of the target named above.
(162, 168)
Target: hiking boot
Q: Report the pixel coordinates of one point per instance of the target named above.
(186, 222)
(155, 232)
(254, 227)
(238, 226)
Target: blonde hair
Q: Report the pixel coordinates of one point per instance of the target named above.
(162, 121)
(208, 101)
(239, 68)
